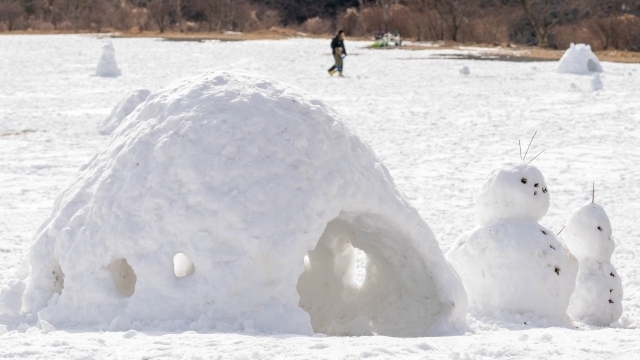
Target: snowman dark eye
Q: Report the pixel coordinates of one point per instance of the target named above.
(523, 180)
(599, 228)
(544, 232)
(535, 185)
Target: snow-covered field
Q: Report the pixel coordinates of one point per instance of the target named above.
(438, 131)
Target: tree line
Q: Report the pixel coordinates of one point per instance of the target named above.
(605, 24)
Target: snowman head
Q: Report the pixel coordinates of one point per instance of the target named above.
(513, 191)
(588, 233)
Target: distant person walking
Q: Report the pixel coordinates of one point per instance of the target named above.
(339, 52)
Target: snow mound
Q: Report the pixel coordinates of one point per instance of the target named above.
(598, 295)
(596, 83)
(266, 191)
(107, 66)
(123, 109)
(465, 70)
(511, 263)
(579, 59)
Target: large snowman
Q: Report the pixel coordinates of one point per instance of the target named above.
(511, 262)
(598, 296)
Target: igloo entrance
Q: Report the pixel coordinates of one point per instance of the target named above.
(398, 296)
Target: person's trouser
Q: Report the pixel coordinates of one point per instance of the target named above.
(338, 62)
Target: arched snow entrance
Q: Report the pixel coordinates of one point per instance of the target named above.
(395, 299)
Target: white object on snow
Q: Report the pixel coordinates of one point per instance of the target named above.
(244, 176)
(46, 327)
(123, 109)
(11, 297)
(579, 59)
(596, 82)
(598, 295)
(107, 66)
(512, 263)
(465, 70)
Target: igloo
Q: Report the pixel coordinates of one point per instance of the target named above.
(511, 262)
(579, 59)
(123, 109)
(107, 66)
(234, 202)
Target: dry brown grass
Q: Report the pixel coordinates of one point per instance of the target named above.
(533, 52)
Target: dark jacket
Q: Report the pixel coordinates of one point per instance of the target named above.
(336, 42)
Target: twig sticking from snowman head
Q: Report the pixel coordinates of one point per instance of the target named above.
(528, 147)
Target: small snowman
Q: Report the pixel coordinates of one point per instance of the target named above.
(597, 299)
(511, 262)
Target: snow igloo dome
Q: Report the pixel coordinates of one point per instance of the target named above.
(234, 202)
(579, 59)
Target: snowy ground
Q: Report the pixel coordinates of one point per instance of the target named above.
(439, 133)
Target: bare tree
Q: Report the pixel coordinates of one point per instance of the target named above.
(160, 13)
(178, 11)
(544, 16)
(384, 5)
(10, 12)
(453, 13)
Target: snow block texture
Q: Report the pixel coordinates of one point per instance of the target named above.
(107, 66)
(265, 190)
(579, 59)
(123, 109)
(597, 298)
(511, 263)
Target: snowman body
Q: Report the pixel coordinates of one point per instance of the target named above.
(510, 262)
(597, 298)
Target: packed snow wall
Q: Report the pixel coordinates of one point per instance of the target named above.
(233, 202)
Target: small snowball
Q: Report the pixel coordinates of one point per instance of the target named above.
(129, 334)
(465, 70)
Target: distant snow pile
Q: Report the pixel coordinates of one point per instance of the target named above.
(107, 66)
(579, 59)
(596, 83)
(123, 109)
(598, 295)
(511, 263)
(234, 203)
